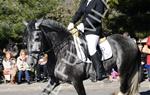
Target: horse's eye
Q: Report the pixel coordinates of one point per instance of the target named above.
(38, 34)
(37, 39)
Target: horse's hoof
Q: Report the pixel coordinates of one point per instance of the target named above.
(120, 93)
(117, 93)
(43, 93)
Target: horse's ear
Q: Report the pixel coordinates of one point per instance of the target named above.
(40, 20)
(37, 24)
(25, 23)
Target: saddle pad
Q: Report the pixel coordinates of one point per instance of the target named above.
(80, 53)
(106, 50)
(104, 46)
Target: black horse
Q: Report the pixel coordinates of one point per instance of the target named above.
(47, 36)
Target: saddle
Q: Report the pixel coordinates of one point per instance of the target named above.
(82, 50)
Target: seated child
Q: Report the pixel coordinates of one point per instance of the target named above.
(9, 65)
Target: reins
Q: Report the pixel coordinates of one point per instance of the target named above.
(57, 44)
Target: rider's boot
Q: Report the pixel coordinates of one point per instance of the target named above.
(98, 66)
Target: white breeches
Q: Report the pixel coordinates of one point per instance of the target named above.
(92, 41)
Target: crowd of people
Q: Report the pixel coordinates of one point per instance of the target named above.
(17, 70)
(145, 49)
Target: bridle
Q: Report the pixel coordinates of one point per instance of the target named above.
(31, 53)
(58, 44)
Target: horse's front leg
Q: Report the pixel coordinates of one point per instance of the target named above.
(119, 93)
(50, 87)
(79, 87)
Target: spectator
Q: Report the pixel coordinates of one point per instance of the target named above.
(1, 65)
(42, 68)
(10, 69)
(4, 50)
(23, 67)
(114, 74)
(146, 49)
(143, 55)
(143, 61)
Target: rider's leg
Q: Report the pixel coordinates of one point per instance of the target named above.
(92, 41)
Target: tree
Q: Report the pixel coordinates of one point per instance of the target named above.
(123, 16)
(64, 11)
(13, 12)
(129, 16)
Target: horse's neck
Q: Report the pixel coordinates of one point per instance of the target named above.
(58, 40)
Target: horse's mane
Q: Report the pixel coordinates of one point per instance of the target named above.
(55, 26)
(63, 38)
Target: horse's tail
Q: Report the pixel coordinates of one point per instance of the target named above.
(130, 81)
(134, 84)
(134, 78)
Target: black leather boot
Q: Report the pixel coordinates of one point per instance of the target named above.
(98, 66)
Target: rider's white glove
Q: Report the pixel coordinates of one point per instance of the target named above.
(81, 27)
(70, 26)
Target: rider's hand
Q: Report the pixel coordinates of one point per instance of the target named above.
(70, 26)
(80, 27)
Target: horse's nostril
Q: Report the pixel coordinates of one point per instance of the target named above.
(31, 64)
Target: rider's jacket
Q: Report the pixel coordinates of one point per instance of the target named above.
(85, 11)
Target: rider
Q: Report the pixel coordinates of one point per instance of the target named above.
(92, 34)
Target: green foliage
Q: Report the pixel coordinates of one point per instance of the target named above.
(131, 16)
(13, 12)
(123, 16)
(112, 3)
(64, 11)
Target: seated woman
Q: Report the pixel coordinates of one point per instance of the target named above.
(9, 65)
(23, 67)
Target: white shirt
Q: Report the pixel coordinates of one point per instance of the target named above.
(22, 64)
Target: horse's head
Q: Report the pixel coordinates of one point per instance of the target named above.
(33, 41)
(44, 36)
